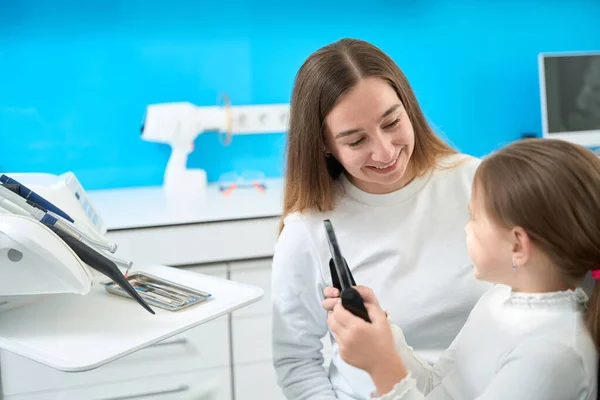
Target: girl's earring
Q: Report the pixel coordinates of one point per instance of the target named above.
(514, 265)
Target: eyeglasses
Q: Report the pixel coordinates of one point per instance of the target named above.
(230, 181)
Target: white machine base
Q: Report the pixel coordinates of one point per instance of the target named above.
(76, 333)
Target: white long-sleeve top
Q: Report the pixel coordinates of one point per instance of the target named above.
(514, 346)
(408, 246)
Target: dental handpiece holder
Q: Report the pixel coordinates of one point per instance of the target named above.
(178, 124)
(51, 240)
(342, 278)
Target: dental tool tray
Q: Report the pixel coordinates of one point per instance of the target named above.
(159, 292)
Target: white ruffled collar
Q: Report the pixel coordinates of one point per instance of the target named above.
(575, 300)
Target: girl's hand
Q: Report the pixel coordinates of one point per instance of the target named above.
(361, 344)
(368, 346)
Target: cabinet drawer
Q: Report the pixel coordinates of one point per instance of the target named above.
(251, 339)
(198, 243)
(203, 347)
(209, 385)
(255, 273)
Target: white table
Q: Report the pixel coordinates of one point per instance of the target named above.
(78, 333)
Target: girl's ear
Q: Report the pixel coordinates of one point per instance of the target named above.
(521, 246)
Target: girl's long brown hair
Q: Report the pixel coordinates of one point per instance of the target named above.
(550, 188)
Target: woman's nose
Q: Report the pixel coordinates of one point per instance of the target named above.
(383, 150)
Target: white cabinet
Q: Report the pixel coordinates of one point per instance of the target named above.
(256, 273)
(253, 373)
(251, 338)
(198, 243)
(204, 347)
(205, 385)
(251, 355)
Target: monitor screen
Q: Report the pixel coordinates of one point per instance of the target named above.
(570, 91)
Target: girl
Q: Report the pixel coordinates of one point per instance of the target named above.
(535, 231)
(361, 153)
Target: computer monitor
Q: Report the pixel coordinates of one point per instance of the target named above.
(570, 97)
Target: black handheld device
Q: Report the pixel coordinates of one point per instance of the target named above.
(341, 277)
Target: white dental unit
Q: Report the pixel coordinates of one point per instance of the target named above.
(53, 307)
(56, 309)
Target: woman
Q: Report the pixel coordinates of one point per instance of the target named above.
(361, 154)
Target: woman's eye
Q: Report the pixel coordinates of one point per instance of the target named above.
(356, 143)
(393, 124)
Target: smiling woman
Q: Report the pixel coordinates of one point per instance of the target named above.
(361, 154)
(376, 149)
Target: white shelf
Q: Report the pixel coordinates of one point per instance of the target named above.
(78, 333)
(141, 207)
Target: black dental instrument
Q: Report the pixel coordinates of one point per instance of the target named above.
(101, 264)
(342, 278)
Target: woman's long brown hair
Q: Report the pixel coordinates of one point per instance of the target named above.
(324, 78)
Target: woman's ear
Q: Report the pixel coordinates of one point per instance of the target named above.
(521, 246)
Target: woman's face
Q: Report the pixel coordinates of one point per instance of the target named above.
(371, 136)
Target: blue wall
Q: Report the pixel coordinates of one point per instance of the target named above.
(75, 76)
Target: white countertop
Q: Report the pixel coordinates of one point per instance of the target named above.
(142, 207)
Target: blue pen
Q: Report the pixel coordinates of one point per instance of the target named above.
(27, 193)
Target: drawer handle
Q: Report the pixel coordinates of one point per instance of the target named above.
(182, 341)
(180, 389)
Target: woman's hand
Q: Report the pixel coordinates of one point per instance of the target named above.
(332, 295)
